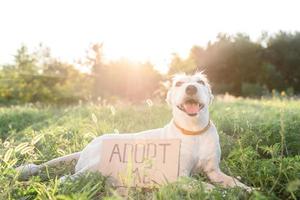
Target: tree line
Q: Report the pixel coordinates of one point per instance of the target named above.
(233, 63)
(39, 77)
(241, 67)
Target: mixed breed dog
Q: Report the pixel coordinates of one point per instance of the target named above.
(189, 97)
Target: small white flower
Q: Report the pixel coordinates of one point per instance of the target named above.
(6, 144)
(94, 118)
(116, 131)
(149, 102)
(112, 110)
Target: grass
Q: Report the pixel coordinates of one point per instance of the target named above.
(260, 141)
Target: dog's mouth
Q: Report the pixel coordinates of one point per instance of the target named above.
(191, 107)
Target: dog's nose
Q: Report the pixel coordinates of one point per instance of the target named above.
(190, 90)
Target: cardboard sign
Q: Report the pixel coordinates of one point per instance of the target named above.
(142, 163)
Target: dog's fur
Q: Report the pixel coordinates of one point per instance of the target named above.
(198, 152)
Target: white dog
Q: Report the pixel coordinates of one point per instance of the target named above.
(189, 97)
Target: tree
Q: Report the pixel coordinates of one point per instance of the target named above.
(130, 80)
(229, 62)
(98, 70)
(283, 51)
(38, 77)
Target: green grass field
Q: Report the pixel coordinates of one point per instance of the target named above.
(260, 141)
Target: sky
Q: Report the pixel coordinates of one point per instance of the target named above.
(138, 30)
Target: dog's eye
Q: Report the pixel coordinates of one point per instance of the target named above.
(201, 82)
(178, 84)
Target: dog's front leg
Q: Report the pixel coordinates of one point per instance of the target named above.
(214, 173)
(217, 176)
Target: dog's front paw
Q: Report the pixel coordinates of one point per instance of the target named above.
(245, 187)
(64, 178)
(249, 189)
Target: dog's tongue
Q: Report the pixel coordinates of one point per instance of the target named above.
(191, 108)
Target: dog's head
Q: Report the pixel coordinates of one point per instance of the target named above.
(190, 95)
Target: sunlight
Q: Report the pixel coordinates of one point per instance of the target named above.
(137, 30)
(97, 83)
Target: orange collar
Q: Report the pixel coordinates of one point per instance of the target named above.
(187, 132)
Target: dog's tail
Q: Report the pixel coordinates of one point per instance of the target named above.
(25, 171)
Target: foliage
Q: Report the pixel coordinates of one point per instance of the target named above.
(259, 142)
(122, 78)
(253, 90)
(233, 61)
(39, 78)
(283, 51)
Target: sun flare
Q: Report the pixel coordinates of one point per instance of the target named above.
(136, 30)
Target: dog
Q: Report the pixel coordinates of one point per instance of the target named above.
(189, 97)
